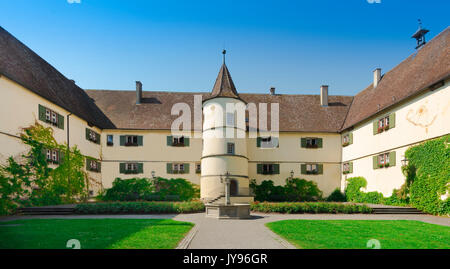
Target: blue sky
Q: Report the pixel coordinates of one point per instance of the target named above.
(295, 46)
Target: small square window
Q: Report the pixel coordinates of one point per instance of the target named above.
(267, 168)
(198, 168)
(230, 148)
(311, 169)
(110, 140)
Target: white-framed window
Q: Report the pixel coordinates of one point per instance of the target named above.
(131, 167)
(267, 168)
(198, 168)
(93, 164)
(178, 141)
(230, 119)
(312, 168)
(92, 136)
(48, 114)
(346, 167)
(54, 155)
(54, 118)
(230, 148)
(312, 142)
(49, 154)
(110, 140)
(131, 140)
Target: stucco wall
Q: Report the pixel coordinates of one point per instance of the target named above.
(424, 117)
(19, 108)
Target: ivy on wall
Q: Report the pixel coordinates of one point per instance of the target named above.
(30, 181)
(427, 181)
(428, 171)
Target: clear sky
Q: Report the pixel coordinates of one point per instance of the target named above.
(171, 45)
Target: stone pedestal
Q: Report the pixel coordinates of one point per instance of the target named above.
(233, 211)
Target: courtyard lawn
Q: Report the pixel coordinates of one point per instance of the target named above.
(354, 234)
(93, 233)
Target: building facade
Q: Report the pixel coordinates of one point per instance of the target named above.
(322, 138)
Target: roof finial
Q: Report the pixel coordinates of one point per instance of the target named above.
(224, 52)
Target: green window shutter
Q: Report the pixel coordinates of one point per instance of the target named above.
(122, 140)
(186, 167)
(140, 168)
(392, 161)
(320, 142)
(303, 142)
(87, 134)
(88, 166)
(350, 138)
(60, 122)
(258, 142)
(186, 141)
(303, 169)
(99, 166)
(375, 127)
(259, 168)
(320, 169)
(122, 168)
(169, 140)
(375, 162)
(276, 169)
(41, 113)
(169, 168)
(350, 167)
(97, 137)
(61, 156)
(140, 140)
(391, 120)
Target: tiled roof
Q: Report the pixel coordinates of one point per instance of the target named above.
(297, 112)
(419, 71)
(22, 65)
(224, 86)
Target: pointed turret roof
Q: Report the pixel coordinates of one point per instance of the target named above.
(224, 86)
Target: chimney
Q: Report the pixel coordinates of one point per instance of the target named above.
(138, 92)
(376, 77)
(272, 90)
(324, 95)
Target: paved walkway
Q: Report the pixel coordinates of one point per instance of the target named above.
(210, 233)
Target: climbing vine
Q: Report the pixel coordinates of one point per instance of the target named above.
(428, 170)
(427, 183)
(30, 180)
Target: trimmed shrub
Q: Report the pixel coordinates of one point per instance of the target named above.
(315, 208)
(144, 189)
(294, 190)
(140, 208)
(336, 196)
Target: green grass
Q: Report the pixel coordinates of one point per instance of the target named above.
(354, 234)
(93, 233)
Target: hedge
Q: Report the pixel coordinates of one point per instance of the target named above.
(316, 207)
(140, 208)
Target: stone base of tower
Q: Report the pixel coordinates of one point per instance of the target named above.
(233, 211)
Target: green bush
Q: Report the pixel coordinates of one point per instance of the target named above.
(294, 190)
(144, 189)
(316, 208)
(140, 208)
(336, 196)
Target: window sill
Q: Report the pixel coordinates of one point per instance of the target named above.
(131, 145)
